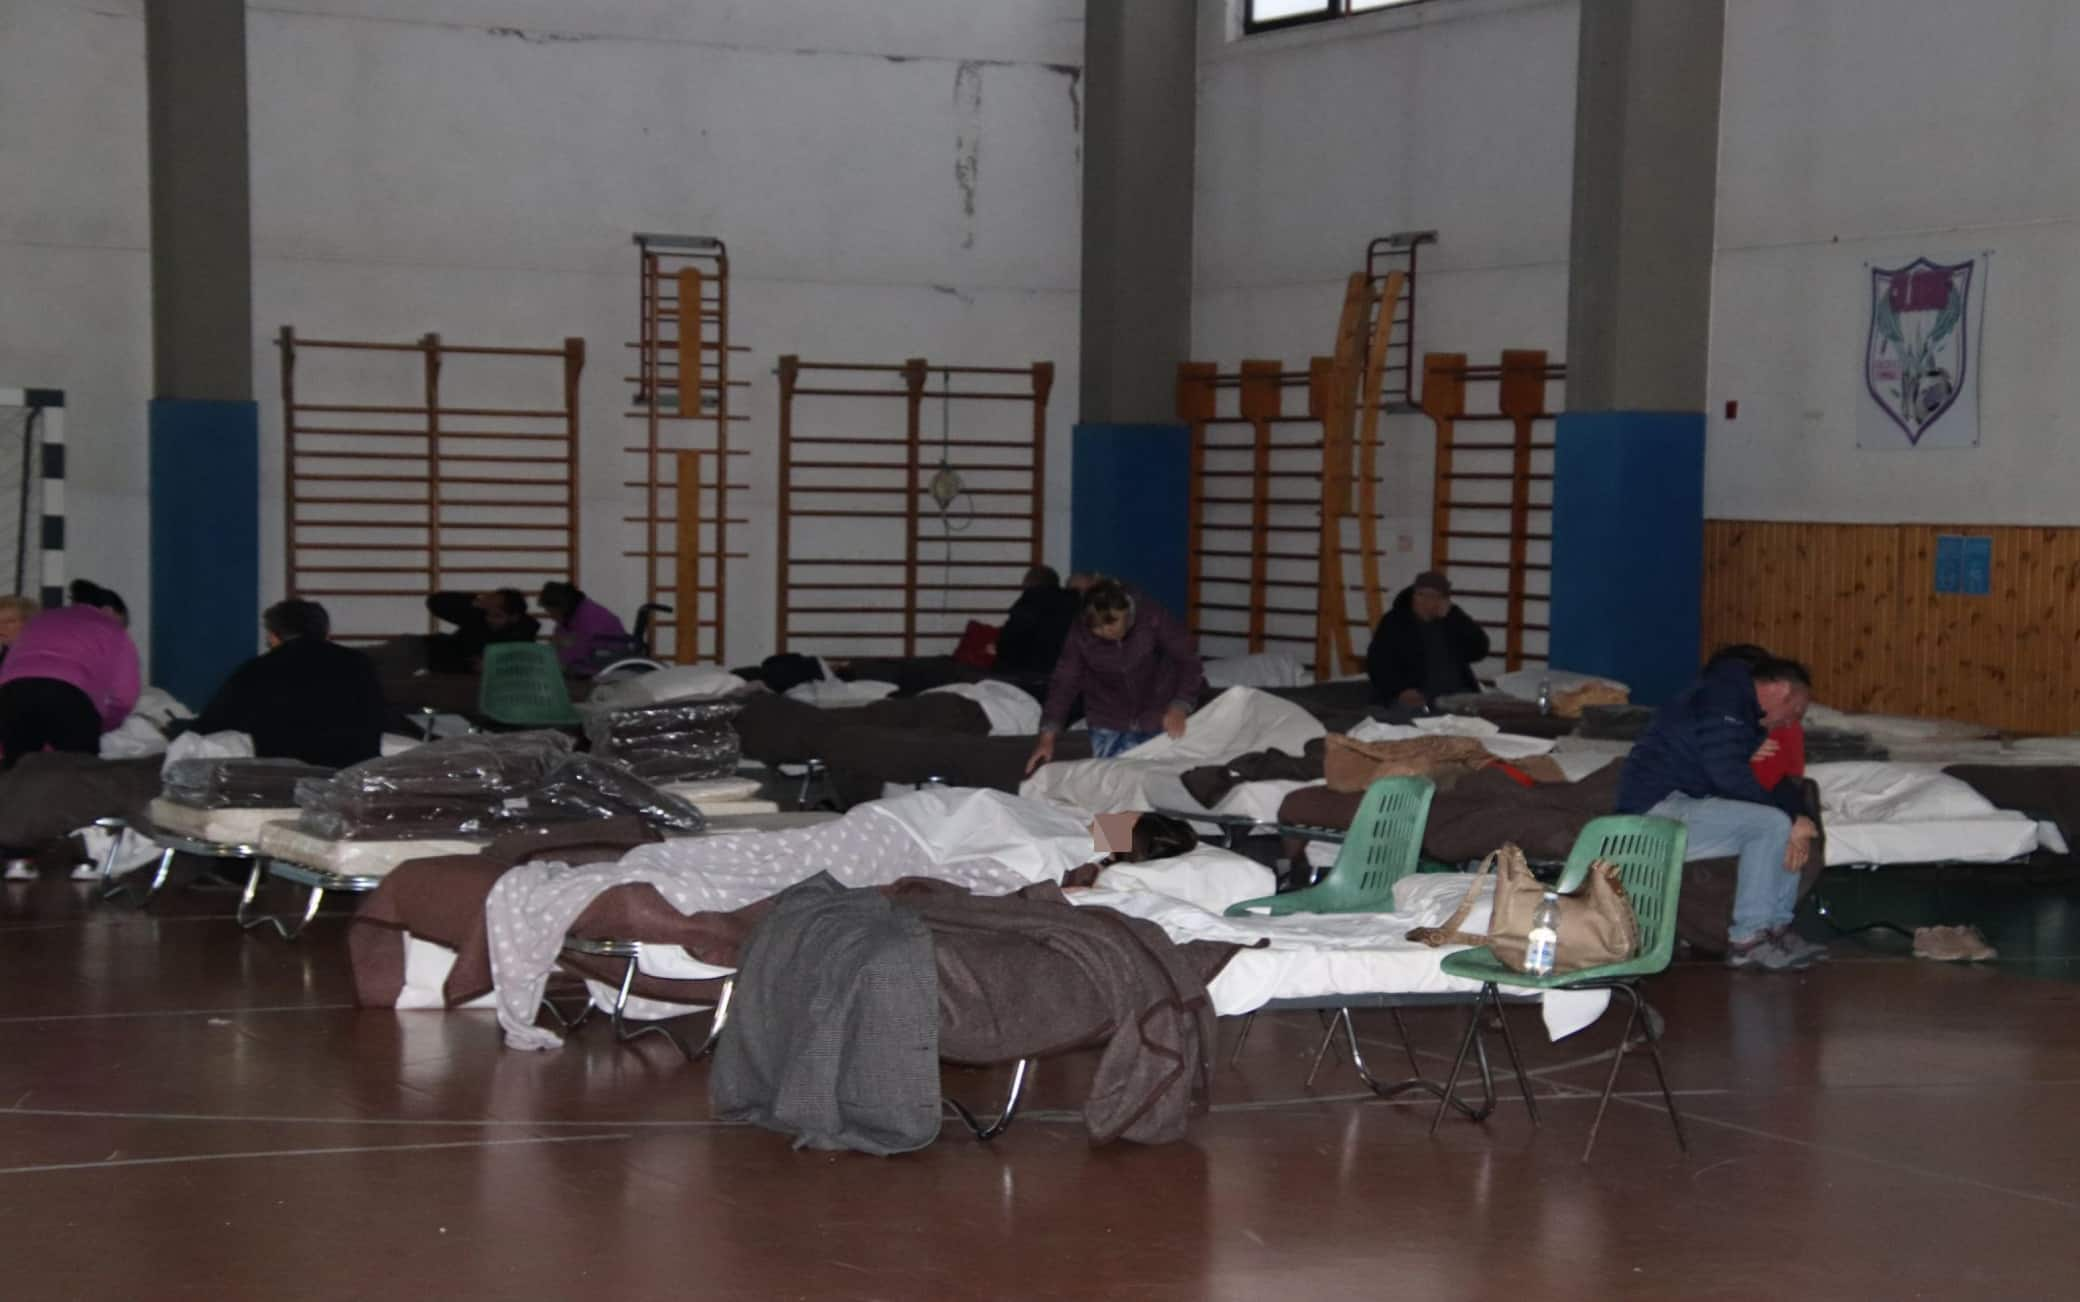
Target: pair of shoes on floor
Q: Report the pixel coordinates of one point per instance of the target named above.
(1773, 951)
(1953, 945)
(1805, 951)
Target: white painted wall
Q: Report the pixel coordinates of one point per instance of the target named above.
(476, 167)
(1874, 130)
(1456, 116)
(75, 275)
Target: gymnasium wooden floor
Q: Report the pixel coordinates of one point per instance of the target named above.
(186, 1111)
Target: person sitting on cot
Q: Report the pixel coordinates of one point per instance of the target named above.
(1424, 648)
(1038, 624)
(14, 613)
(1781, 757)
(1694, 764)
(70, 676)
(480, 619)
(1136, 667)
(307, 698)
(584, 628)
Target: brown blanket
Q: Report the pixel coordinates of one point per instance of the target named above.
(442, 899)
(776, 730)
(863, 760)
(50, 795)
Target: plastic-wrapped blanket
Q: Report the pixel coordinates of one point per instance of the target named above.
(479, 787)
(238, 783)
(679, 742)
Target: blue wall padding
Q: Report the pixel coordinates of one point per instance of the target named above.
(1129, 509)
(1628, 548)
(205, 543)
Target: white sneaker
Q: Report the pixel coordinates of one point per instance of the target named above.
(86, 872)
(20, 870)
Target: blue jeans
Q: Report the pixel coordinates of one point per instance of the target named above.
(1764, 896)
(1109, 743)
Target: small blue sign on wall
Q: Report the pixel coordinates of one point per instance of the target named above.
(1964, 565)
(1949, 563)
(1978, 567)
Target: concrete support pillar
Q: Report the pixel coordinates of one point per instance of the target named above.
(205, 474)
(1139, 135)
(1629, 467)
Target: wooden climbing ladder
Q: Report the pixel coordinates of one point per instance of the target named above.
(683, 410)
(1492, 500)
(1322, 484)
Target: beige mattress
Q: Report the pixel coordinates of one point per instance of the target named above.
(216, 826)
(353, 858)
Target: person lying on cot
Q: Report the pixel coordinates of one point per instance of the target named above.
(70, 676)
(1135, 666)
(480, 619)
(584, 628)
(14, 613)
(1132, 838)
(308, 698)
(1425, 647)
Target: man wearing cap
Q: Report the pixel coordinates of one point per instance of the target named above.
(1425, 647)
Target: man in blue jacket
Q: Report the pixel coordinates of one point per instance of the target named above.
(1693, 765)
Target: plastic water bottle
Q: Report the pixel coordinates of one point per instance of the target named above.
(1542, 946)
(1545, 695)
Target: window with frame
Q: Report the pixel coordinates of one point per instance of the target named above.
(1276, 15)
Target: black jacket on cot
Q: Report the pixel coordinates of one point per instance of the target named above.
(457, 652)
(1700, 744)
(1031, 639)
(315, 701)
(1397, 661)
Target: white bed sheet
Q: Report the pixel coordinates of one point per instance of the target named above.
(1236, 722)
(1890, 813)
(1012, 711)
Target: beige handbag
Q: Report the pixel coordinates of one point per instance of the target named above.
(1597, 924)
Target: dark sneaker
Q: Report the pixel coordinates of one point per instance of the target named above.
(1762, 952)
(1805, 951)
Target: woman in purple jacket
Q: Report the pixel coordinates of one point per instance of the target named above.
(583, 626)
(1135, 666)
(70, 676)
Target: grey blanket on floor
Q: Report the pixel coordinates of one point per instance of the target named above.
(835, 1034)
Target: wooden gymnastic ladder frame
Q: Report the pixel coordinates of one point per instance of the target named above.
(415, 444)
(1265, 486)
(806, 479)
(1520, 402)
(685, 451)
(1368, 374)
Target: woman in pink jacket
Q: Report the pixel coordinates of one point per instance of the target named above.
(69, 677)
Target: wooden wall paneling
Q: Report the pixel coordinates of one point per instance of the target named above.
(1857, 603)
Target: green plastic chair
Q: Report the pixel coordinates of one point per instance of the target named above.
(1648, 853)
(523, 687)
(1385, 844)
